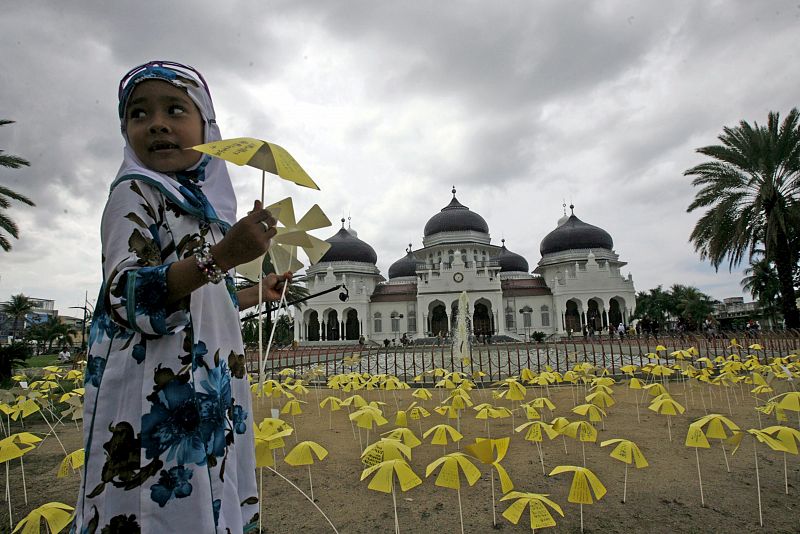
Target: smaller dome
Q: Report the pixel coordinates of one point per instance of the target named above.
(405, 266)
(511, 261)
(347, 247)
(575, 234)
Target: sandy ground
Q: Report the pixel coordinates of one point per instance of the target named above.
(664, 497)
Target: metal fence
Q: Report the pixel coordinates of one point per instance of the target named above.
(499, 361)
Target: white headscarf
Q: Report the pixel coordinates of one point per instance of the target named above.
(213, 178)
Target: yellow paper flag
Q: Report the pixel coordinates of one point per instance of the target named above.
(584, 483)
(539, 514)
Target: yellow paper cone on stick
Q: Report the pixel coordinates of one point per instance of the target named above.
(540, 516)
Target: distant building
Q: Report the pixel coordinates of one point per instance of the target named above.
(733, 313)
(42, 310)
(578, 282)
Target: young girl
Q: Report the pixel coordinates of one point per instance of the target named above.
(167, 418)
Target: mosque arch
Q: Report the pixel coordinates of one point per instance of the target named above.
(594, 314)
(331, 325)
(351, 324)
(616, 307)
(482, 318)
(572, 316)
(437, 317)
(312, 326)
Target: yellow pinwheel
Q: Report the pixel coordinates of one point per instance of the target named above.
(56, 516)
(600, 398)
(594, 412)
(453, 465)
(72, 462)
(582, 431)
(334, 404)
(303, 454)
(627, 452)
(535, 434)
(405, 435)
(710, 426)
(16, 446)
(384, 474)
(540, 516)
(422, 394)
(789, 438)
(585, 485)
(666, 405)
(442, 435)
(491, 452)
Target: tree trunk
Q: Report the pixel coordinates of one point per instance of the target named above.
(783, 265)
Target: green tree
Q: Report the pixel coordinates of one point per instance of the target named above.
(761, 281)
(6, 195)
(691, 305)
(655, 304)
(751, 188)
(17, 308)
(52, 331)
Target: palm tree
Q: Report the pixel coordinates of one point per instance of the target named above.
(751, 188)
(691, 305)
(17, 308)
(762, 283)
(6, 223)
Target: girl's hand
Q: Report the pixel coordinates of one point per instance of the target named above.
(248, 239)
(272, 287)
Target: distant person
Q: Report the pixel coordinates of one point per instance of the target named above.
(386, 343)
(361, 340)
(621, 330)
(64, 356)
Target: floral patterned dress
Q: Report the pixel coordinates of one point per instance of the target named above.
(167, 415)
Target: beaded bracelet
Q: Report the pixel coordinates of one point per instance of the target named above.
(207, 265)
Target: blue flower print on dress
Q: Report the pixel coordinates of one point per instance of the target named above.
(139, 351)
(172, 425)
(239, 418)
(150, 294)
(172, 483)
(94, 370)
(214, 406)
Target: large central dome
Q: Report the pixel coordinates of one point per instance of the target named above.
(455, 217)
(575, 234)
(347, 247)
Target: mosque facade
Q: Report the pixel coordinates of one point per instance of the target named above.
(577, 284)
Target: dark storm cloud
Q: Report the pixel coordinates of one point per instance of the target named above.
(519, 104)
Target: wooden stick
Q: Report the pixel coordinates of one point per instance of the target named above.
(625, 486)
(725, 454)
(310, 482)
(541, 459)
(700, 478)
(758, 484)
(460, 513)
(394, 503)
(494, 508)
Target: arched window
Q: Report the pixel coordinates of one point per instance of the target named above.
(526, 317)
(395, 321)
(412, 318)
(545, 315)
(509, 317)
(377, 322)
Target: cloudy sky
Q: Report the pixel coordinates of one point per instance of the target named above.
(520, 105)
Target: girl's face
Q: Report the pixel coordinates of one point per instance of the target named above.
(162, 122)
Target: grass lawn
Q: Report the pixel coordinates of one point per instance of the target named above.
(42, 360)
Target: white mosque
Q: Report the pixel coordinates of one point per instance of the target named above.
(576, 283)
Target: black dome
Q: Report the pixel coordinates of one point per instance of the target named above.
(405, 266)
(346, 247)
(455, 217)
(575, 234)
(511, 261)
